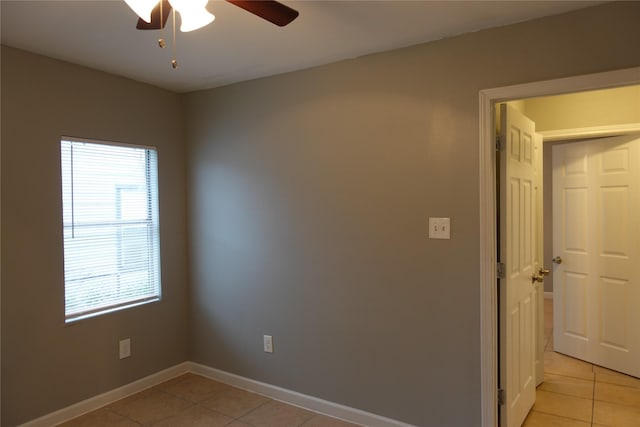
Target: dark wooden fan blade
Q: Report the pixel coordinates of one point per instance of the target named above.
(156, 21)
(271, 10)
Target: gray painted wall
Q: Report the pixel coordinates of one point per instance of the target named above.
(308, 206)
(309, 195)
(47, 365)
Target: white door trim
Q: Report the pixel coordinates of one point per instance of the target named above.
(590, 132)
(487, 175)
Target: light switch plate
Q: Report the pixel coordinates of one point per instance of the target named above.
(440, 228)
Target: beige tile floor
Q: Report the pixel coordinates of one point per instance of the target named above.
(194, 401)
(578, 394)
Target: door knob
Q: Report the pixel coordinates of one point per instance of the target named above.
(543, 271)
(557, 260)
(537, 278)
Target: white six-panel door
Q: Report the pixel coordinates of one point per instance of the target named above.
(539, 260)
(518, 253)
(596, 228)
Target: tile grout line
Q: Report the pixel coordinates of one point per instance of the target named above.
(566, 394)
(269, 400)
(567, 375)
(559, 416)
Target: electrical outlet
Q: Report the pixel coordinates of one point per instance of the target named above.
(268, 343)
(125, 348)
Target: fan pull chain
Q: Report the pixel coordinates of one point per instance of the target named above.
(174, 63)
(161, 42)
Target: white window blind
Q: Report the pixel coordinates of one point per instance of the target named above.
(111, 232)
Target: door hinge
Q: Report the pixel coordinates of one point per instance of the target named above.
(501, 270)
(501, 397)
(499, 143)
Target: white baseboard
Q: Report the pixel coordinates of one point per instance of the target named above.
(287, 396)
(97, 402)
(548, 295)
(298, 399)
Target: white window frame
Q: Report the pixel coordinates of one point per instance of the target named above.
(102, 272)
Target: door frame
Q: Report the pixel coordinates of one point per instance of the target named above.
(487, 177)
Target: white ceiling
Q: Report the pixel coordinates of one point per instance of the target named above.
(239, 46)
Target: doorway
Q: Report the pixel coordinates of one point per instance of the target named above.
(487, 169)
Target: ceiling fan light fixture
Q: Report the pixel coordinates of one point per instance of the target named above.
(142, 8)
(193, 14)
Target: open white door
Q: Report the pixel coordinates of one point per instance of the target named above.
(539, 261)
(596, 228)
(517, 254)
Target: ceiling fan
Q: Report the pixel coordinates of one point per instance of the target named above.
(194, 14)
(154, 13)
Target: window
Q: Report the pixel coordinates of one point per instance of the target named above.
(110, 222)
